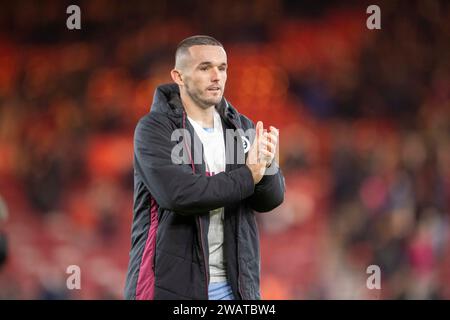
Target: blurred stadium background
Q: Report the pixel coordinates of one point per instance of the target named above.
(364, 118)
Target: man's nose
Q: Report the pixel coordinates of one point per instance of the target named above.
(215, 74)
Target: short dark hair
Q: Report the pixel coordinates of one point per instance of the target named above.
(198, 40)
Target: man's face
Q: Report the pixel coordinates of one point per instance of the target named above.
(205, 74)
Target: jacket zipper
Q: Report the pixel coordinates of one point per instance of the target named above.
(237, 241)
(204, 257)
(198, 219)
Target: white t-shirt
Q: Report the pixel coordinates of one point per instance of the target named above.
(214, 154)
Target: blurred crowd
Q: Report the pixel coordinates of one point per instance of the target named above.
(364, 118)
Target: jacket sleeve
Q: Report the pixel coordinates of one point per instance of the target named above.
(175, 186)
(269, 192)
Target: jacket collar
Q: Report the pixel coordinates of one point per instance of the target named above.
(167, 100)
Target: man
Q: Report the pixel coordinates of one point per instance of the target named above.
(194, 233)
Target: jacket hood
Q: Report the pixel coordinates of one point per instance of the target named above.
(167, 100)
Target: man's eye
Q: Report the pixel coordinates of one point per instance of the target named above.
(203, 68)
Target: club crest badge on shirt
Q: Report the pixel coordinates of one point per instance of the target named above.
(245, 144)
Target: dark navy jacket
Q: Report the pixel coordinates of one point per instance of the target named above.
(169, 243)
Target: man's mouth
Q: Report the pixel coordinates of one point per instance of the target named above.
(214, 89)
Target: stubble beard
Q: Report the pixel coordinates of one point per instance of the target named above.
(195, 95)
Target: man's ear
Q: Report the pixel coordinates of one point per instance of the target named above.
(176, 77)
